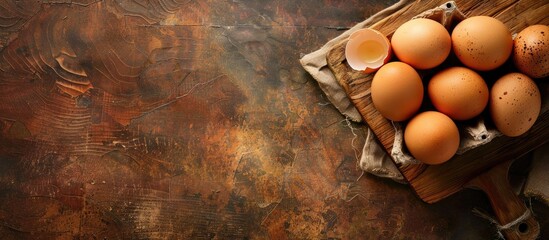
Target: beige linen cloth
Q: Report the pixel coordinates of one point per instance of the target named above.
(374, 159)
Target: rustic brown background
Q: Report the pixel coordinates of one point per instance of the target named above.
(173, 119)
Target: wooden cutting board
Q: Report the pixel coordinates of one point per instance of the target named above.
(484, 167)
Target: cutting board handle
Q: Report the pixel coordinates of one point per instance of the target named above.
(516, 221)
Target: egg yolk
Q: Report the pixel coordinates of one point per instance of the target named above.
(371, 51)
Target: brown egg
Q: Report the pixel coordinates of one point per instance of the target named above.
(482, 43)
(397, 91)
(458, 92)
(515, 103)
(432, 137)
(422, 43)
(531, 51)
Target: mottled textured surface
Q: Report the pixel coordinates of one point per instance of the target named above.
(172, 119)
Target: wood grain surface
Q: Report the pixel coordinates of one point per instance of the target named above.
(174, 119)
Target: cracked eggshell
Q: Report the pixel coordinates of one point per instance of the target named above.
(367, 50)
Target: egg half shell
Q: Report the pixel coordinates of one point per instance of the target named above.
(367, 50)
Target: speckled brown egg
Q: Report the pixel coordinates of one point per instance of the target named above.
(482, 43)
(531, 51)
(458, 92)
(515, 104)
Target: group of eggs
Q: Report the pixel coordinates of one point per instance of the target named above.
(456, 91)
